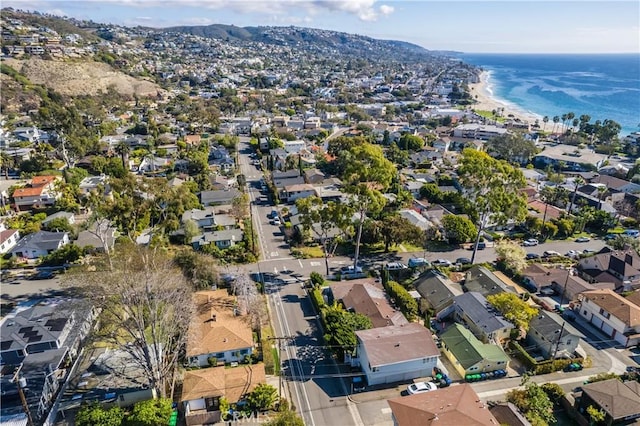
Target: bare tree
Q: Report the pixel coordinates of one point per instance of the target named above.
(146, 308)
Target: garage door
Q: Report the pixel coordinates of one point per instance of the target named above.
(607, 329)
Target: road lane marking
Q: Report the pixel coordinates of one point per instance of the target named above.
(314, 263)
(300, 262)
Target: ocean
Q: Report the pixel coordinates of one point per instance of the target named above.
(601, 86)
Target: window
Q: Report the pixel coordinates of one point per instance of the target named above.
(473, 368)
(568, 341)
(604, 313)
(375, 369)
(584, 312)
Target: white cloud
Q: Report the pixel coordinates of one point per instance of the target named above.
(386, 10)
(56, 12)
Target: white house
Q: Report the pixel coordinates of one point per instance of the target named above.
(396, 353)
(545, 333)
(8, 238)
(294, 147)
(293, 192)
(614, 315)
(40, 244)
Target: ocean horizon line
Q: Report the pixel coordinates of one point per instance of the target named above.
(553, 53)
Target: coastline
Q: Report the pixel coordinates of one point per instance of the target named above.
(487, 101)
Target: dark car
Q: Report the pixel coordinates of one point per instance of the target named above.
(463, 261)
(482, 246)
(533, 256)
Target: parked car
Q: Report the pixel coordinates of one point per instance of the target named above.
(631, 233)
(441, 262)
(395, 266)
(588, 251)
(273, 214)
(351, 270)
(583, 240)
(532, 256)
(573, 253)
(415, 262)
(530, 242)
(549, 253)
(276, 221)
(463, 261)
(482, 246)
(421, 387)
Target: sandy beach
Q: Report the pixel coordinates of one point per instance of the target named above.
(486, 101)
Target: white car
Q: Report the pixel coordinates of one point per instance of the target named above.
(530, 242)
(549, 253)
(583, 240)
(573, 253)
(276, 221)
(421, 387)
(441, 262)
(395, 266)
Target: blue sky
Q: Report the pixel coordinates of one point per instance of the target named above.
(515, 26)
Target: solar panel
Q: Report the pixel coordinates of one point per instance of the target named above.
(34, 339)
(25, 329)
(56, 324)
(6, 344)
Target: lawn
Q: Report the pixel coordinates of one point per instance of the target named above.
(311, 252)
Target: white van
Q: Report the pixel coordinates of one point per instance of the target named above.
(631, 233)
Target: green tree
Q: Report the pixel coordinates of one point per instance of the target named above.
(512, 147)
(152, 412)
(397, 230)
(513, 255)
(458, 229)
(401, 297)
(285, 418)
(533, 402)
(66, 254)
(94, 414)
(263, 397)
(340, 328)
(493, 190)
(326, 221)
(431, 193)
(513, 309)
(410, 142)
(191, 230)
(59, 224)
(596, 415)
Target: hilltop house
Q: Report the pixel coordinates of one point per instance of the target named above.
(614, 315)
(452, 406)
(39, 193)
(396, 353)
(217, 333)
(468, 354)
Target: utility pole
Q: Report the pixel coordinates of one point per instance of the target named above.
(558, 341)
(18, 380)
(280, 340)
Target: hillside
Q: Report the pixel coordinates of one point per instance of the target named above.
(337, 43)
(82, 78)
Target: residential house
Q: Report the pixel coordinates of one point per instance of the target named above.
(619, 400)
(508, 414)
(396, 353)
(563, 281)
(68, 216)
(483, 281)
(101, 236)
(573, 158)
(612, 314)
(293, 192)
(468, 354)
(620, 267)
(39, 193)
(436, 291)
(366, 297)
(452, 406)
(473, 311)
(8, 238)
(202, 390)
(217, 197)
(313, 176)
(44, 338)
(416, 219)
(92, 183)
(217, 332)
(279, 158)
(204, 218)
(294, 147)
(222, 239)
(617, 184)
(413, 187)
(550, 337)
(478, 131)
(39, 244)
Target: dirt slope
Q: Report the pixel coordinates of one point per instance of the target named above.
(82, 78)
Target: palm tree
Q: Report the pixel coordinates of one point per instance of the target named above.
(545, 120)
(564, 118)
(556, 120)
(570, 117)
(6, 162)
(584, 119)
(577, 182)
(123, 149)
(602, 190)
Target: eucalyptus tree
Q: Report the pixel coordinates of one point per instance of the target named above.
(492, 189)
